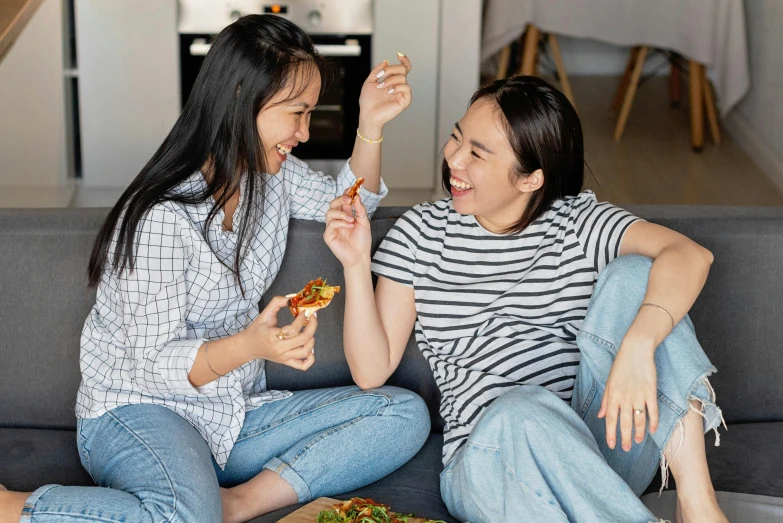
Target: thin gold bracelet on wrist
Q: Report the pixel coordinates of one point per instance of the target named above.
(659, 308)
(206, 358)
(367, 139)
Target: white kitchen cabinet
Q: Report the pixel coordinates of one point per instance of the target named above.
(128, 81)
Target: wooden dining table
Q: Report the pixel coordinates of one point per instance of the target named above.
(710, 32)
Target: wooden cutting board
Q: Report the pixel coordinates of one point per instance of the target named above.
(309, 512)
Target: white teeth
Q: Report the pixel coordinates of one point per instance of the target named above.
(282, 149)
(460, 185)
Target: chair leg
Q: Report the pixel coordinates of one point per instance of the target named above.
(561, 71)
(675, 82)
(505, 56)
(709, 104)
(623, 87)
(695, 78)
(629, 95)
(531, 50)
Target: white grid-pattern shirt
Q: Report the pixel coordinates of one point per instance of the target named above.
(140, 340)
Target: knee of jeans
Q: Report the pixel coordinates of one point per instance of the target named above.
(519, 411)
(412, 410)
(627, 273)
(205, 505)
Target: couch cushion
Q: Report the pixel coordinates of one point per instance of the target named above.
(43, 303)
(31, 458)
(413, 488)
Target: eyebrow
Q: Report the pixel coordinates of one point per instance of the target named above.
(475, 143)
(301, 104)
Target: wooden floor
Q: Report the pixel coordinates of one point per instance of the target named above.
(653, 162)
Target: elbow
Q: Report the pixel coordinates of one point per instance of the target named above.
(367, 383)
(706, 255)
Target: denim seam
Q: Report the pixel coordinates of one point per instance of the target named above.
(157, 459)
(301, 413)
(79, 517)
(511, 473)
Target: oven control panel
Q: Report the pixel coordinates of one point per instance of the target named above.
(315, 16)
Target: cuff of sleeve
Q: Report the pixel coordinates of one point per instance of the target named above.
(175, 362)
(371, 200)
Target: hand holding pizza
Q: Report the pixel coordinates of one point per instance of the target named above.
(348, 236)
(292, 345)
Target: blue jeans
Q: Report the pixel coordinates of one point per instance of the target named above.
(154, 466)
(531, 457)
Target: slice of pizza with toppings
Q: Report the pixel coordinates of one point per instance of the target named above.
(315, 296)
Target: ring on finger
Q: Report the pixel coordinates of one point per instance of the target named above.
(282, 335)
(639, 411)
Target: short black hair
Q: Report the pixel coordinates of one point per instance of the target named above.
(544, 132)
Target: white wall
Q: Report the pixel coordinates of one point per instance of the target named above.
(32, 103)
(757, 122)
(410, 27)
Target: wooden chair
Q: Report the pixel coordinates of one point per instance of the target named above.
(533, 39)
(700, 95)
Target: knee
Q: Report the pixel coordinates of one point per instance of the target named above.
(410, 414)
(520, 412)
(204, 505)
(626, 274)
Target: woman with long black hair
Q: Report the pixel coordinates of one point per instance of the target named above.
(173, 403)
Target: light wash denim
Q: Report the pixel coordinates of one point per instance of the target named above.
(533, 458)
(153, 466)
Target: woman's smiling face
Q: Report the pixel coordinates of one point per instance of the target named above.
(284, 122)
(482, 166)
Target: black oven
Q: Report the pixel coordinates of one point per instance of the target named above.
(342, 32)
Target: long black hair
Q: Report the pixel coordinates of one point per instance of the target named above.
(544, 132)
(250, 61)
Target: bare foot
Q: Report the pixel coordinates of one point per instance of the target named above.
(231, 506)
(705, 509)
(11, 505)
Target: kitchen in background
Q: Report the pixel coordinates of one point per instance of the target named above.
(129, 65)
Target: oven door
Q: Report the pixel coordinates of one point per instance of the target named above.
(334, 121)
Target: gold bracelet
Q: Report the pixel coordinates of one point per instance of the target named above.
(206, 358)
(366, 139)
(661, 308)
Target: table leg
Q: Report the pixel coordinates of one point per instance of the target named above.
(709, 104)
(675, 82)
(505, 56)
(626, 78)
(695, 78)
(531, 50)
(561, 71)
(633, 84)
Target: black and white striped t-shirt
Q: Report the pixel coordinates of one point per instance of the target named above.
(497, 311)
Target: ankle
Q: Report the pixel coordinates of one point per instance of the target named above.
(11, 505)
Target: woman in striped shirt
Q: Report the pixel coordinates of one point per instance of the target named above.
(566, 377)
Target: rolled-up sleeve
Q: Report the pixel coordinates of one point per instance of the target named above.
(311, 192)
(154, 301)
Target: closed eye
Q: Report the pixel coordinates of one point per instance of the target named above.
(476, 155)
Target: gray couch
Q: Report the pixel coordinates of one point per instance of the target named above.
(44, 301)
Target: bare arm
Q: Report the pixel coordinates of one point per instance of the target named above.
(678, 274)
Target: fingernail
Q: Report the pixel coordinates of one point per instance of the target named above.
(391, 90)
(378, 75)
(401, 55)
(380, 85)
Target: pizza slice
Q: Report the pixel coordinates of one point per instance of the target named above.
(315, 296)
(354, 192)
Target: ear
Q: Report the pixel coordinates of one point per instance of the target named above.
(530, 183)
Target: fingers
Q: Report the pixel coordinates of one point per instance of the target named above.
(611, 424)
(403, 92)
(639, 424)
(377, 69)
(302, 337)
(626, 426)
(338, 202)
(404, 60)
(392, 81)
(269, 314)
(302, 364)
(338, 215)
(652, 411)
(361, 211)
(390, 70)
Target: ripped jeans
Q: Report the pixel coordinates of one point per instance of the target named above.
(532, 458)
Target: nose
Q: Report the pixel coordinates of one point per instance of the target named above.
(457, 160)
(303, 133)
